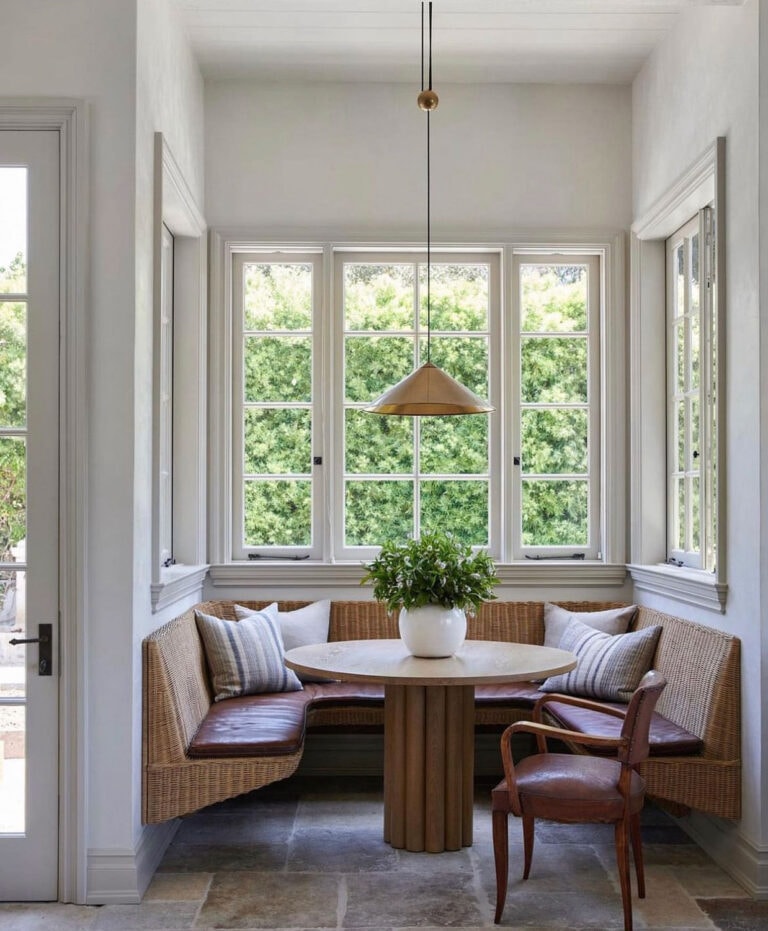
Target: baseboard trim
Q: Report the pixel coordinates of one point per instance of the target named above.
(120, 876)
(746, 862)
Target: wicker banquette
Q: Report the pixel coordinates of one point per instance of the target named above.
(197, 752)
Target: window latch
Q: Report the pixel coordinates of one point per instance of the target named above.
(572, 556)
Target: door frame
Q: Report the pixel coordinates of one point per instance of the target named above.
(69, 117)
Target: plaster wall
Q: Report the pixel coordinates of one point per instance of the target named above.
(702, 82)
(350, 159)
(169, 99)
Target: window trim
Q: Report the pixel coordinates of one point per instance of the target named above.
(609, 246)
(701, 184)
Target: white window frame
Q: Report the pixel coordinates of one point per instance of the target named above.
(593, 549)
(239, 550)
(329, 569)
(701, 184)
(490, 257)
(181, 501)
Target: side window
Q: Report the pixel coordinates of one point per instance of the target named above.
(165, 432)
(556, 420)
(691, 377)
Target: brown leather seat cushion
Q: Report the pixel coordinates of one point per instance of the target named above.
(270, 724)
(517, 694)
(344, 693)
(566, 788)
(665, 738)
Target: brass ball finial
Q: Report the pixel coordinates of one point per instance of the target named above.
(428, 100)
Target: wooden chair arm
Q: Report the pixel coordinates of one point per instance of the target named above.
(543, 731)
(577, 702)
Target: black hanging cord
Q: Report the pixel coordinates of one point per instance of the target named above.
(429, 199)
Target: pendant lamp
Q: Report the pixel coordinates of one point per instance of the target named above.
(428, 390)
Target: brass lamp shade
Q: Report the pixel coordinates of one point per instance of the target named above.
(429, 391)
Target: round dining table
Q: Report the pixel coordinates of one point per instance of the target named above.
(429, 724)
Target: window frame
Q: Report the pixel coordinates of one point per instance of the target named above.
(329, 570)
(239, 549)
(595, 350)
(701, 184)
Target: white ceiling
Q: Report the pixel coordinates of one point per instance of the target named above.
(549, 41)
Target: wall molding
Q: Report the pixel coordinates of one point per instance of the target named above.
(746, 862)
(120, 876)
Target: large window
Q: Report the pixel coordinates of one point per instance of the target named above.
(317, 334)
(691, 371)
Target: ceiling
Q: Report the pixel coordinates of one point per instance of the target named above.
(496, 41)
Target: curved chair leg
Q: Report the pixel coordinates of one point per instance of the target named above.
(622, 861)
(637, 853)
(500, 859)
(527, 844)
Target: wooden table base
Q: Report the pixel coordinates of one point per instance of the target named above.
(429, 755)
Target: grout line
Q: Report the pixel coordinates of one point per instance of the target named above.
(341, 907)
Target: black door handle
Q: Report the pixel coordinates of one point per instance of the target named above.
(45, 655)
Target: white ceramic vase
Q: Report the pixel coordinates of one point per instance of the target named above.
(433, 630)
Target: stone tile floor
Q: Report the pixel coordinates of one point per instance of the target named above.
(307, 853)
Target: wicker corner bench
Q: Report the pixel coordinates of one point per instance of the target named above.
(695, 764)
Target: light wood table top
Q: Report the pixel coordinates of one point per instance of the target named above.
(388, 661)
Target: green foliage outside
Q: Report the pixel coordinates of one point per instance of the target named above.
(380, 348)
(13, 407)
(434, 570)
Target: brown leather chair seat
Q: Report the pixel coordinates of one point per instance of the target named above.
(344, 693)
(665, 738)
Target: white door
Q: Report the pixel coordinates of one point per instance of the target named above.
(29, 513)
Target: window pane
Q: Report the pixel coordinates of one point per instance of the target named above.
(695, 514)
(460, 508)
(695, 274)
(278, 368)
(554, 441)
(555, 513)
(13, 771)
(457, 445)
(680, 280)
(679, 337)
(13, 364)
(554, 370)
(277, 442)
(12, 621)
(378, 297)
(695, 351)
(277, 297)
(459, 295)
(553, 298)
(278, 513)
(13, 496)
(695, 464)
(681, 541)
(681, 464)
(375, 363)
(464, 358)
(381, 445)
(13, 230)
(378, 511)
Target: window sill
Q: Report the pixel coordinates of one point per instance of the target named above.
(566, 574)
(177, 582)
(691, 586)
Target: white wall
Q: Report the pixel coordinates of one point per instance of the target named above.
(702, 82)
(351, 158)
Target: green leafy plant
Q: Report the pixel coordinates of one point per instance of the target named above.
(434, 570)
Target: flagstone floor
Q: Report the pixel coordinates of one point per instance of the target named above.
(308, 853)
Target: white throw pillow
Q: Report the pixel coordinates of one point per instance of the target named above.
(300, 628)
(611, 621)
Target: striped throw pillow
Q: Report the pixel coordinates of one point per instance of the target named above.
(608, 666)
(245, 657)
